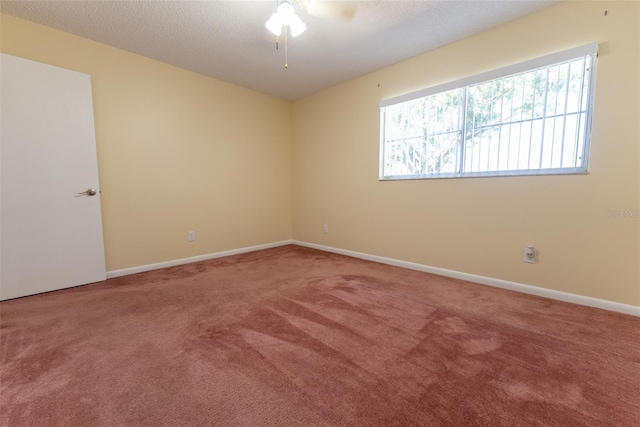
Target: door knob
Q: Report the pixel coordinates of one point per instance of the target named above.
(89, 192)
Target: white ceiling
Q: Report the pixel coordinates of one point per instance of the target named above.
(227, 39)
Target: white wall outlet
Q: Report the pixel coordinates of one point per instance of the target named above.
(191, 237)
(325, 229)
(530, 255)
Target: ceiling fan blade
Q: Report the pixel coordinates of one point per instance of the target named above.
(329, 9)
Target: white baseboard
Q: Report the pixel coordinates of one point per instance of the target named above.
(149, 267)
(498, 283)
(490, 281)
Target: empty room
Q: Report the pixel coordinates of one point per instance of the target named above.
(320, 213)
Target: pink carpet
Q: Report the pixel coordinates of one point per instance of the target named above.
(297, 337)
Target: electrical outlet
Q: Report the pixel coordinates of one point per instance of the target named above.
(530, 255)
(191, 236)
(325, 229)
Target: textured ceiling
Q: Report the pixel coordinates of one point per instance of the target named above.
(227, 39)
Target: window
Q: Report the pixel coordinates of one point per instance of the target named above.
(525, 119)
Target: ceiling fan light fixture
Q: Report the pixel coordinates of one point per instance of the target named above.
(285, 15)
(274, 24)
(286, 12)
(297, 26)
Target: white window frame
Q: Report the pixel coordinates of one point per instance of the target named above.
(590, 49)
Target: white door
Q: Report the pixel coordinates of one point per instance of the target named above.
(51, 234)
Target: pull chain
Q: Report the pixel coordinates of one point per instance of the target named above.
(286, 49)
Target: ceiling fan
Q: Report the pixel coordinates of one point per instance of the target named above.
(285, 16)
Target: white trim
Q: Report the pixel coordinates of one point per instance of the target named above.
(490, 174)
(165, 264)
(532, 64)
(498, 283)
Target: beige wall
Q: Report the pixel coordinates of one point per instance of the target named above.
(481, 225)
(177, 151)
